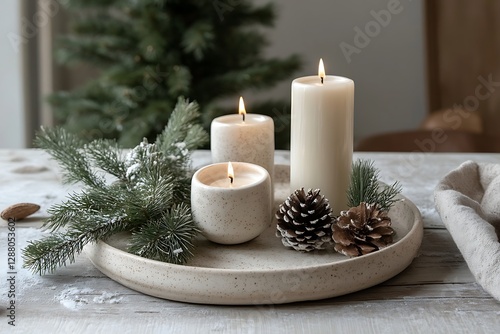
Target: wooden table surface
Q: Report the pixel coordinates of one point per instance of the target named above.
(435, 294)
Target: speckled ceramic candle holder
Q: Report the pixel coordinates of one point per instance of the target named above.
(231, 213)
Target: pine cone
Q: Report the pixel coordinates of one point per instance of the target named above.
(304, 221)
(362, 230)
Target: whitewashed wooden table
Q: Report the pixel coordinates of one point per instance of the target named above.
(435, 294)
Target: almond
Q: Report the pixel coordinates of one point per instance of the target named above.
(19, 211)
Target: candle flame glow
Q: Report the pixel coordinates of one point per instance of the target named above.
(242, 110)
(230, 171)
(321, 70)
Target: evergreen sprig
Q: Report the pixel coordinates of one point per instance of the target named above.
(167, 238)
(147, 194)
(56, 250)
(149, 52)
(365, 187)
(67, 150)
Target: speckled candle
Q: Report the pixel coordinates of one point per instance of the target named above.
(231, 213)
(249, 140)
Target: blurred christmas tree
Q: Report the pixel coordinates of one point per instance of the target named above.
(150, 52)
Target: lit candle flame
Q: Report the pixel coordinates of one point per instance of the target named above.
(321, 70)
(230, 171)
(242, 110)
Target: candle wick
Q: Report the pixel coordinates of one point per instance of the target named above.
(243, 115)
(322, 78)
(231, 178)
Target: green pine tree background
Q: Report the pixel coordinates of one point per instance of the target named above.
(150, 52)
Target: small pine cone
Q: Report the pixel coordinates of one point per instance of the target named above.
(362, 230)
(304, 221)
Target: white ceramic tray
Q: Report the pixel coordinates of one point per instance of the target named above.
(262, 271)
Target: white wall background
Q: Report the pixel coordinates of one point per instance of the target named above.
(389, 73)
(11, 105)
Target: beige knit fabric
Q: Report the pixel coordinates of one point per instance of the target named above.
(468, 201)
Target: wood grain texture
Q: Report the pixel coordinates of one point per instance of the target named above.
(435, 294)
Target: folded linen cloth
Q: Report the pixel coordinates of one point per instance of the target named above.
(468, 201)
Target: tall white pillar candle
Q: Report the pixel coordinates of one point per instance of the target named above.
(243, 137)
(322, 136)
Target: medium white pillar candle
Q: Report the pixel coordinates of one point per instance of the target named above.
(322, 135)
(231, 208)
(243, 137)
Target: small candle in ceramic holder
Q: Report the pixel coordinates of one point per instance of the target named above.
(231, 202)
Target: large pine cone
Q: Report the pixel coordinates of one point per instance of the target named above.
(304, 221)
(362, 230)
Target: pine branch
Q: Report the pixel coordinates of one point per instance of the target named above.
(387, 197)
(150, 170)
(179, 81)
(364, 187)
(196, 137)
(106, 156)
(58, 249)
(66, 149)
(100, 50)
(198, 38)
(168, 238)
(180, 127)
(94, 201)
(102, 24)
(66, 212)
(43, 255)
(150, 196)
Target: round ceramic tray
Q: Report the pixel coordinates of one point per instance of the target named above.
(262, 271)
